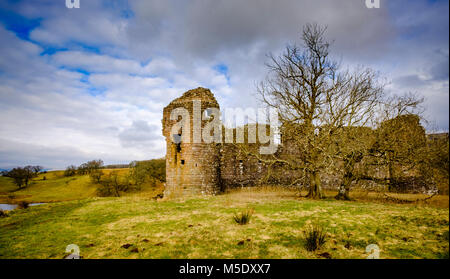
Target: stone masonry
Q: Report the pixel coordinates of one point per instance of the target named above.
(191, 168)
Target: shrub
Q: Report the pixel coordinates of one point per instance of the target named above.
(442, 255)
(244, 217)
(23, 205)
(96, 175)
(314, 237)
(3, 213)
(111, 185)
(70, 171)
(89, 167)
(106, 190)
(150, 172)
(445, 235)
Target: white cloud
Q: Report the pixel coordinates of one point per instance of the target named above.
(53, 111)
(93, 24)
(96, 63)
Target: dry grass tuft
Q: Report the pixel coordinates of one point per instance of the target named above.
(244, 217)
(315, 237)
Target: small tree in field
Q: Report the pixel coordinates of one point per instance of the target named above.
(89, 167)
(111, 185)
(36, 169)
(96, 175)
(18, 175)
(147, 172)
(22, 176)
(70, 171)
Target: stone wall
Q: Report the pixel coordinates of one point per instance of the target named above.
(191, 168)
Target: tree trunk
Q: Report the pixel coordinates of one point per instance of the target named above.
(116, 188)
(392, 175)
(344, 189)
(349, 177)
(391, 184)
(315, 189)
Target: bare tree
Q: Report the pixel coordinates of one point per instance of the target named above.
(22, 176)
(37, 169)
(70, 171)
(96, 175)
(89, 167)
(315, 100)
(352, 145)
(111, 185)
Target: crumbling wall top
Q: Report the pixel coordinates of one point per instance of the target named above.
(199, 93)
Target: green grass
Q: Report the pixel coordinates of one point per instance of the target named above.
(204, 228)
(57, 188)
(6, 185)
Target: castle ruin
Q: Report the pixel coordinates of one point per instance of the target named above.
(202, 167)
(199, 164)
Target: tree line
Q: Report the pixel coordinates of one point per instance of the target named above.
(149, 172)
(23, 175)
(111, 183)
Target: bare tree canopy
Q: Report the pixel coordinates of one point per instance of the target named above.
(23, 176)
(318, 101)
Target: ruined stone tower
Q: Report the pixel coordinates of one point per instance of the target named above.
(192, 166)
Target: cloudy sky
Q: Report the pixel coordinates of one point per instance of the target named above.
(87, 83)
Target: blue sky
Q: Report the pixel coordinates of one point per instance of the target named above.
(80, 84)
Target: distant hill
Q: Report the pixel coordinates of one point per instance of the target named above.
(117, 166)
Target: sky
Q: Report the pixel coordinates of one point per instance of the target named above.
(91, 82)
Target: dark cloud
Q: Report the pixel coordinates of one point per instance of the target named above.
(204, 29)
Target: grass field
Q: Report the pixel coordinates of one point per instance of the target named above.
(204, 228)
(55, 188)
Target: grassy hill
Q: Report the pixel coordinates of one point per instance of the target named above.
(56, 187)
(204, 228)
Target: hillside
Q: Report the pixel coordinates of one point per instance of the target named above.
(55, 187)
(141, 227)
